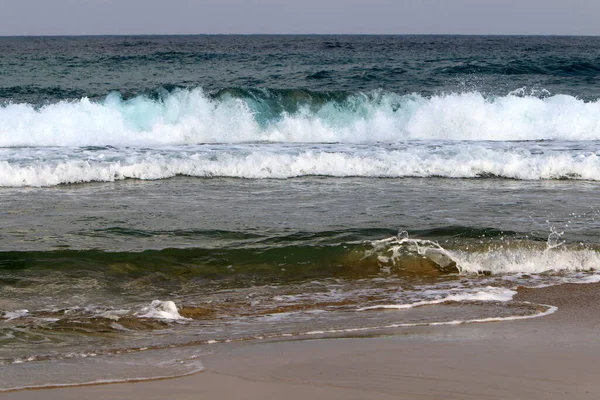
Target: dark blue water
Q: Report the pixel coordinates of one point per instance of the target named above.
(41, 69)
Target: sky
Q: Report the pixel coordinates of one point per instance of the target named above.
(120, 17)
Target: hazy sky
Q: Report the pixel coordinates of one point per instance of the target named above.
(90, 17)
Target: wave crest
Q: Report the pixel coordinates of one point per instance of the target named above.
(192, 116)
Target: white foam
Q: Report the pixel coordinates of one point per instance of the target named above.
(524, 259)
(8, 315)
(589, 279)
(54, 166)
(47, 166)
(549, 310)
(486, 294)
(161, 310)
(529, 261)
(190, 116)
(115, 315)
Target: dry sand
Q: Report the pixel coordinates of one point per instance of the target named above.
(552, 357)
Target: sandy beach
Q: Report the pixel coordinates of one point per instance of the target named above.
(552, 357)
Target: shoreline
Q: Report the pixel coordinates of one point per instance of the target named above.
(552, 357)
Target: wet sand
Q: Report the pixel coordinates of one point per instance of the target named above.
(552, 357)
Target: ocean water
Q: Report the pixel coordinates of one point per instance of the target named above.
(159, 195)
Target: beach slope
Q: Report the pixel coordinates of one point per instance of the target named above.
(553, 357)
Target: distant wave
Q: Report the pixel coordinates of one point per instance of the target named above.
(234, 116)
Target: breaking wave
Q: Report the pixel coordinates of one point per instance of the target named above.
(191, 116)
(53, 166)
(293, 133)
(500, 259)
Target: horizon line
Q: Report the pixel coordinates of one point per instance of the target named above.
(295, 34)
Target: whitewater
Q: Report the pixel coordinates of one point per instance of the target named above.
(378, 134)
(192, 117)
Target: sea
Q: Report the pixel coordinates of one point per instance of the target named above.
(161, 196)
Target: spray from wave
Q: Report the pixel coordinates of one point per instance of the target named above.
(502, 258)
